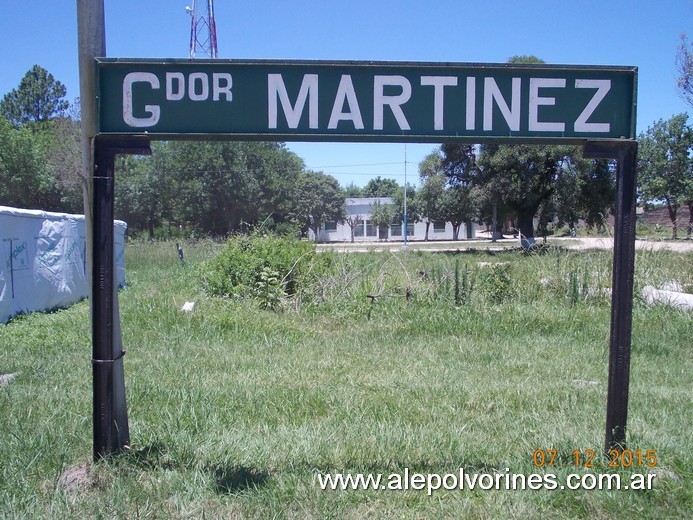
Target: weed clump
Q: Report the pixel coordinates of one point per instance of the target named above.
(496, 284)
(265, 266)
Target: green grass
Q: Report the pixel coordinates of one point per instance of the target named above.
(233, 410)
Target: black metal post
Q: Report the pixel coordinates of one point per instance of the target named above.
(626, 153)
(108, 437)
(102, 305)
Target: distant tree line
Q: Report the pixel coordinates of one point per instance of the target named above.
(217, 188)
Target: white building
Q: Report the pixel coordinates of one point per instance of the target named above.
(358, 214)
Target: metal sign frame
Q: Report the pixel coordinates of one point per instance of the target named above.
(109, 413)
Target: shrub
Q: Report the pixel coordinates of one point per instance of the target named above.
(495, 283)
(243, 266)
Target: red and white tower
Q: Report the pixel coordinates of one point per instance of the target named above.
(203, 29)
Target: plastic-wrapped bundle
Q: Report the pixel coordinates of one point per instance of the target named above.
(43, 260)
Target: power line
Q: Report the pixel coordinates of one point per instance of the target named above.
(361, 165)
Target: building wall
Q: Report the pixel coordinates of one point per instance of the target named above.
(362, 207)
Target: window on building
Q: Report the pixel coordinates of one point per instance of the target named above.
(396, 230)
(410, 230)
(371, 229)
(358, 230)
(331, 226)
(439, 227)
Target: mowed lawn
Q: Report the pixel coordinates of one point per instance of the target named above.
(235, 411)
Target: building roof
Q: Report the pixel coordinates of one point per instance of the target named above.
(363, 206)
(368, 201)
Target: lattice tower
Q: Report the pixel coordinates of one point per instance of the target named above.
(203, 29)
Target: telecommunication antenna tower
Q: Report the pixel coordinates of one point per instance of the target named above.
(203, 29)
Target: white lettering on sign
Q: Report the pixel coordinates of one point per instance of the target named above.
(277, 90)
(471, 104)
(438, 83)
(198, 86)
(218, 89)
(175, 86)
(603, 86)
(346, 93)
(395, 102)
(510, 113)
(522, 104)
(535, 101)
(153, 110)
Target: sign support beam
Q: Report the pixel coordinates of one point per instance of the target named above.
(111, 433)
(625, 153)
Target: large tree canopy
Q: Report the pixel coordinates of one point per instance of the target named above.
(215, 187)
(27, 177)
(38, 98)
(318, 198)
(520, 180)
(665, 165)
(380, 187)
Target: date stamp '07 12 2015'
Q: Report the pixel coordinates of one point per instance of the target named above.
(588, 459)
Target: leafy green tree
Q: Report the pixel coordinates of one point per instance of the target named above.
(274, 170)
(318, 198)
(524, 177)
(353, 191)
(224, 187)
(380, 187)
(204, 178)
(447, 193)
(431, 198)
(458, 162)
(24, 179)
(665, 165)
(215, 187)
(412, 201)
(38, 98)
(459, 205)
(141, 190)
(382, 216)
(517, 178)
(431, 165)
(597, 191)
(584, 190)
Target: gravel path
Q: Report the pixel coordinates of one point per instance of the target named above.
(682, 246)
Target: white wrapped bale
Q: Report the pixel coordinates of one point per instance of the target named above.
(43, 260)
(679, 300)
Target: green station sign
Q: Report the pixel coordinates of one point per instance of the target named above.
(365, 101)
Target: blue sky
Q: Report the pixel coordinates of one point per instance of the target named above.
(644, 33)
